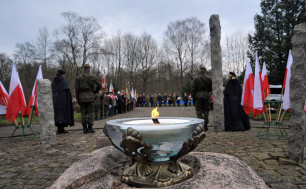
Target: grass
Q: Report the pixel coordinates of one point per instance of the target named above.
(273, 116)
(35, 119)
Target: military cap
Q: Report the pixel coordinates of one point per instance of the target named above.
(86, 66)
(233, 74)
(202, 67)
(61, 72)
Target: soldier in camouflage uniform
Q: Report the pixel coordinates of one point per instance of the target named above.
(201, 89)
(85, 93)
(104, 102)
(97, 105)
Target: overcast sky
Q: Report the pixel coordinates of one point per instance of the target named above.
(20, 20)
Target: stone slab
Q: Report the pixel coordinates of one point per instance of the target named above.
(104, 167)
(102, 141)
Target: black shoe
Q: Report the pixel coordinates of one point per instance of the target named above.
(85, 129)
(97, 118)
(90, 130)
(205, 127)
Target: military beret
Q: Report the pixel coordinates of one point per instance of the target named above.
(61, 72)
(233, 74)
(203, 67)
(86, 66)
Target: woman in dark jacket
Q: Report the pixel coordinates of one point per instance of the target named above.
(62, 102)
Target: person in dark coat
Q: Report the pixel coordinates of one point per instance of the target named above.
(151, 100)
(110, 105)
(123, 105)
(119, 103)
(160, 100)
(235, 119)
(185, 98)
(139, 101)
(62, 102)
(144, 99)
(165, 98)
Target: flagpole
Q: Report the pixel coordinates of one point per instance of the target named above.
(283, 116)
(269, 104)
(279, 109)
(265, 106)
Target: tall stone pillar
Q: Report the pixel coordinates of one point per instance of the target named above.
(217, 74)
(46, 112)
(297, 95)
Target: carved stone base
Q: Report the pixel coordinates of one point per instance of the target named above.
(156, 175)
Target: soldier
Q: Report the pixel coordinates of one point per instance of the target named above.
(102, 103)
(201, 89)
(106, 103)
(85, 93)
(97, 104)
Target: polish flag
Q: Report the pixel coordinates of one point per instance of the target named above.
(286, 85)
(265, 83)
(16, 101)
(248, 89)
(258, 104)
(4, 98)
(305, 108)
(105, 87)
(103, 81)
(33, 99)
(111, 89)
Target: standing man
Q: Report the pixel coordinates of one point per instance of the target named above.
(123, 101)
(119, 104)
(155, 100)
(174, 97)
(97, 105)
(106, 102)
(160, 100)
(165, 97)
(201, 89)
(151, 100)
(85, 93)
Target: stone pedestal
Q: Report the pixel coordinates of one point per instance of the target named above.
(296, 138)
(46, 112)
(104, 168)
(217, 74)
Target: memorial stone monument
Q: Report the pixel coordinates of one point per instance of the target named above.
(217, 74)
(297, 95)
(46, 112)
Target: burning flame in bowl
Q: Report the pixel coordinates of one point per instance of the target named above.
(154, 113)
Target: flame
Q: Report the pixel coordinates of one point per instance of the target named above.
(154, 112)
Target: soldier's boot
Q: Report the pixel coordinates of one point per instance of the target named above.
(205, 127)
(85, 128)
(90, 130)
(97, 118)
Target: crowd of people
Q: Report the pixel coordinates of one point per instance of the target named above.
(96, 103)
(165, 100)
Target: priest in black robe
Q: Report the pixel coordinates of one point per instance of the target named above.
(235, 119)
(62, 102)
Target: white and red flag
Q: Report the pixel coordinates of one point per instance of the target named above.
(258, 104)
(248, 89)
(103, 81)
(33, 99)
(111, 88)
(265, 83)
(16, 101)
(286, 85)
(4, 98)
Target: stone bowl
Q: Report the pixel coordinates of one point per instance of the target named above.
(166, 138)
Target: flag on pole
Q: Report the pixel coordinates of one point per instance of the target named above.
(248, 89)
(103, 81)
(132, 94)
(286, 85)
(4, 98)
(111, 88)
(265, 83)
(106, 87)
(16, 100)
(33, 98)
(258, 104)
(127, 93)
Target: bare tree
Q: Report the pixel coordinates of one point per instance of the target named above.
(43, 45)
(235, 52)
(25, 58)
(5, 66)
(81, 35)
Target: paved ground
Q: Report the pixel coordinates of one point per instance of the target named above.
(28, 164)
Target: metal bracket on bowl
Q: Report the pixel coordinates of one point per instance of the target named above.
(144, 173)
